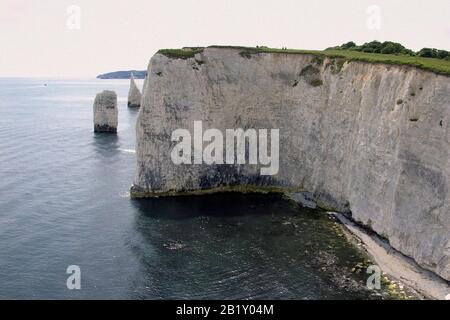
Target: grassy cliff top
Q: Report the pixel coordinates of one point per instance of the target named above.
(438, 66)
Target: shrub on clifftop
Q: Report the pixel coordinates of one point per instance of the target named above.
(389, 47)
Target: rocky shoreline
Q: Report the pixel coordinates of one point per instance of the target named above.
(395, 264)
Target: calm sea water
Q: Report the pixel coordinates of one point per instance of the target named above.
(64, 201)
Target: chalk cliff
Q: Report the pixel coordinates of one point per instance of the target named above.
(370, 139)
(106, 112)
(134, 95)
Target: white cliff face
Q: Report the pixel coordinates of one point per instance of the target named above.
(134, 95)
(370, 139)
(105, 112)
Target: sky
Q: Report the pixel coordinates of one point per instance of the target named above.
(83, 38)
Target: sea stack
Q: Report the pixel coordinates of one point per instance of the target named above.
(106, 112)
(134, 95)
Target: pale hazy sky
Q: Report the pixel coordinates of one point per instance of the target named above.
(120, 34)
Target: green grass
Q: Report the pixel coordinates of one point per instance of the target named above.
(316, 82)
(184, 53)
(438, 66)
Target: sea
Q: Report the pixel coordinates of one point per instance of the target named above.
(65, 204)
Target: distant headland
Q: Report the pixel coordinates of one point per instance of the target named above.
(123, 74)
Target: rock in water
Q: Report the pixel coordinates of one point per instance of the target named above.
(106, 112)
(134, 95)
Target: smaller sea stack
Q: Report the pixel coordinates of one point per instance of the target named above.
(134, 95)
(106, 112)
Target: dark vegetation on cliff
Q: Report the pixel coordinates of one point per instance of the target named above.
(185, 53)
(434, 60)
(389, 47)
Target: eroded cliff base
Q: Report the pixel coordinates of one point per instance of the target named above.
(395, 264)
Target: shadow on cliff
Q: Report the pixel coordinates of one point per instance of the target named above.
(236, 246)
(215, 205)
(193, 246)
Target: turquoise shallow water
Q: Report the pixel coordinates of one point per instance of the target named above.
(64, 201)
